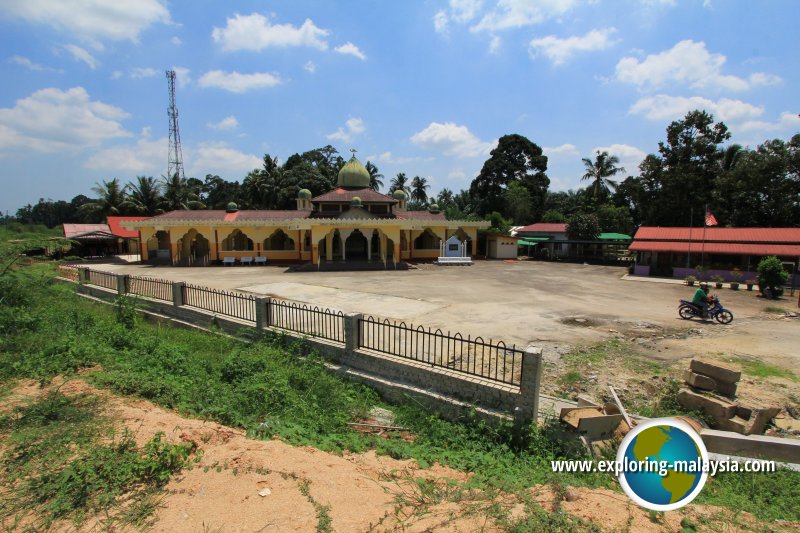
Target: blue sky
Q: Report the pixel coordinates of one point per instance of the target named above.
(423, 87)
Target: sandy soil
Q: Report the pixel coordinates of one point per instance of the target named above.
(251, 485)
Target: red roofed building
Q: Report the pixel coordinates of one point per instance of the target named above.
(676, 252)
(103, 239)
(350, 223)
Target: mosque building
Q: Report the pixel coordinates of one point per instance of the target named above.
(352, 223)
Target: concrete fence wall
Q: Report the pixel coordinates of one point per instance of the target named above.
(451, 393)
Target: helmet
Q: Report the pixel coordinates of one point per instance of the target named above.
(704, 284)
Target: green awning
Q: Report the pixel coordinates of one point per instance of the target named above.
(614, 237)
(532, 241)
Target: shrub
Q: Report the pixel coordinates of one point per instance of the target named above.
(771, 276)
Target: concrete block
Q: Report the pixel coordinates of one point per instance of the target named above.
(744, 412)
(586, 401)
(755, 446)
(717, 408)
(699, 381)
(760, 419)
(726, 389)
(599, 426)
(735, 424)
(717, 372)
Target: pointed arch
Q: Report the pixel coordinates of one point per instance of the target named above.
(237, 241)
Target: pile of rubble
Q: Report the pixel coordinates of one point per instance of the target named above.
(711, 388)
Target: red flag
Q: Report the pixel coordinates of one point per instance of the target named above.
(711, 220)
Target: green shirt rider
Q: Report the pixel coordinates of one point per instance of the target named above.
(701, 298)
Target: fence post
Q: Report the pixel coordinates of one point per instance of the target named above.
(83, 275)
(122, 284)
(262, 313)
(351, 331)
(527, 408)
(177, 293)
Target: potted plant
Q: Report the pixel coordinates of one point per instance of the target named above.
(701, 272)
(718, 281)
(750, 283)
(771, 277)
(736, 275)
(690, 280)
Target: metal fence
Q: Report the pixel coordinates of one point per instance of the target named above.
(312, 321)
(232, 304)
(102, 279)
(150, 287)
(490, 360)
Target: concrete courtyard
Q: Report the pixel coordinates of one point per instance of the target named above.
(550, 304)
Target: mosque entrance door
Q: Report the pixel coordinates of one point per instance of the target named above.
(356, 246)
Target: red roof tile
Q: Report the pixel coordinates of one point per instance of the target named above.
(419, 215)
(367, 195)
(218, 215)
(753, 235)
(544, 227)
(784, 250)
(119, 231)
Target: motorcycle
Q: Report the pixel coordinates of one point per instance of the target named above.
(687, 310)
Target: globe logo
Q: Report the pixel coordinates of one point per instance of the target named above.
(663, 464)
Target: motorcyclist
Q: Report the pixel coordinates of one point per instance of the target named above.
(701, 298)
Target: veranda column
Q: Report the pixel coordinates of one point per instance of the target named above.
(329, 246)
(343, 236)
(369, 245)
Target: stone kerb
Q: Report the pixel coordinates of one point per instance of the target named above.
(262, 313)
(351, 331)
(177, 293)
(122, 284)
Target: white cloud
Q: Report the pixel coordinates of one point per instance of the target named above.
(518, 13)
(457, 174)
(219, 158)
(146, 157)
(52, 120)
(255, 32)
(236, 82)
(560, 50)
(182, 76)
(91, 19)
(452, 139)
(494, 44)
(689, 63)
(664, 107)
(787, 121)
(391, 159)
(227, 123)
(310, 67)
(441, 22)
(138, 72)
(564, 149)
(30, 65)
(629, 156)
(352, 127)
(351, 49)
(117, 74)
(79, 54)
(465, 10)
(176, 41)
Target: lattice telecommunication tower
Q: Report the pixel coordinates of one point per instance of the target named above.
(175, 161)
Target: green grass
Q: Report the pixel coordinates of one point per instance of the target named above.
(773, 310)
(63, 461)
(759, 369)
(276, 388)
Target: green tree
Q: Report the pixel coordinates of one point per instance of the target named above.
(419, 190)
(144, 196)
(682, 177)
(762, 188)
(326, 160)
(260, 187)
(400, 182)
(518, 203)
(615, 219)
(600, 171)
(515, 159)
(583, 227)
(217, 193)
(553, 216)
(771, 276)
(375, 177)
(110, 201)
(178, 195)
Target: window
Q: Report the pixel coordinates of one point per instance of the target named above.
(452, 247)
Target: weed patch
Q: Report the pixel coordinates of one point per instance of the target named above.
(755, 368)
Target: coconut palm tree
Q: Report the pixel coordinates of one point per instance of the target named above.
(730, 157)
(419, 189)
(178, 195)
(144, 196)
(601, 170)
(375, 177)
(400, 182)
(110, 201)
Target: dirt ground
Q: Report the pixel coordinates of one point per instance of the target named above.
(553, 305)
(242, 484)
